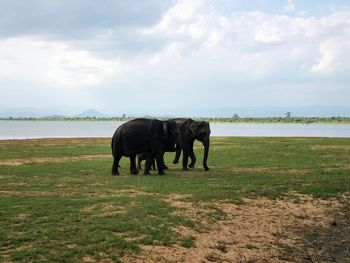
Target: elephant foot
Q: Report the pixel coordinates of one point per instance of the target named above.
(165, 167)
(146, 173)
(161, 173)
(191, 166)
(114, 173)
(175, 162)
(185, 168)
(134, 172)
(206, 168)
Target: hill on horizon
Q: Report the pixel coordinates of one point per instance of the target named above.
(91, 113)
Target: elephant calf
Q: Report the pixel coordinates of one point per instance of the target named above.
(141, 157)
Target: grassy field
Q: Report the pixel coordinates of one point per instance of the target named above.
(263, 200)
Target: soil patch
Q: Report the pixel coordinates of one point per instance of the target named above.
(105, 209)
(290, 171)
(261, 230)
(330, 147)
(57, 141)
(337, 166)
(53, 159)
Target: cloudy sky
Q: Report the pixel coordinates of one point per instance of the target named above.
(152, 56)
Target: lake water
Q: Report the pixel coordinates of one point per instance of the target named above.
(53, 129)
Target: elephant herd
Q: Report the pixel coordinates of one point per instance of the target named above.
(149, 139)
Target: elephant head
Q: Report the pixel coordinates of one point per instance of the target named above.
(171, 135)
(201, 132)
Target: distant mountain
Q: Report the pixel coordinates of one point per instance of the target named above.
(91, 113)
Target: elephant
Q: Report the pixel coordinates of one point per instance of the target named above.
(143, 135)
(190, 131)
(143, 156)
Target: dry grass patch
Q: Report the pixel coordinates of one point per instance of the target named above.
(337, 166)
(105, 209)
(22, 216)
(254, 232)
(54, 159)
(89, 259)
(219, 148)
(55, 141)
(330, 147)
(22, 193)
(259, 169)
(117, 192)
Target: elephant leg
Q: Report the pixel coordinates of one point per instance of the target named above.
(149, 161)
(139, 160)
(193, 158)
(164, 166)
(153, 164)
(177, 155)
(133, 169)
(160, 161)
(158, 152)
(160, 165)
(116, 159)
(185, 159)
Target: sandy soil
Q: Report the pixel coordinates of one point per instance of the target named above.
(258, 231)
(53, 159)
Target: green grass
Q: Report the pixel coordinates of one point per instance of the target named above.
(70, 210)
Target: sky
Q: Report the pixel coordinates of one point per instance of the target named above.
(159, 56)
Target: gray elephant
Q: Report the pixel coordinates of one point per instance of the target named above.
(190, 131)
(143, 156)
(140, 136)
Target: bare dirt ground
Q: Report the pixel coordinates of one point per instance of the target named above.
(261, 230)
(55, 141)
(53, 159)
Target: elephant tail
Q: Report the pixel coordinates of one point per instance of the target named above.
(112, 142)
(116, 143)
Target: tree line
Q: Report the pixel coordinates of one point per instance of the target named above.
(234, 119)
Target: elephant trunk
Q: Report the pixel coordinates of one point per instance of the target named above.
(206, 144)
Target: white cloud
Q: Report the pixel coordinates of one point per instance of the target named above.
(183, 10)
(78, 67)
(289, 6)
(192, 51)
(51, 62)
(254, 42)
(244, 45)
(332, 57)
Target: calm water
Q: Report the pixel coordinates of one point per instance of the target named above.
(45, 129)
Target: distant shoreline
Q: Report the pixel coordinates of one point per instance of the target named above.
(246, 120)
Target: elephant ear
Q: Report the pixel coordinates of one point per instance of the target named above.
(165, 130)
(193, 127)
